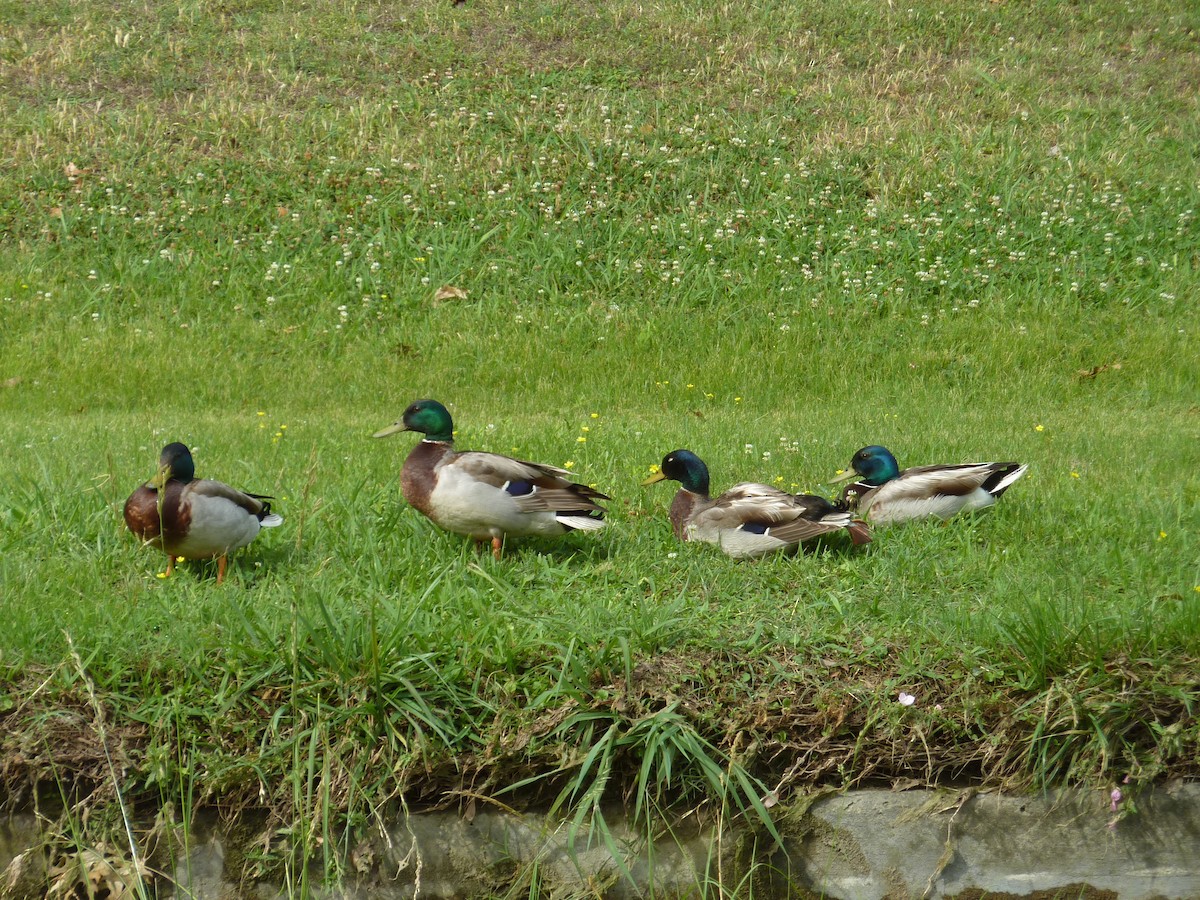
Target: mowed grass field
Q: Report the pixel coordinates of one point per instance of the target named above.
(768, 233)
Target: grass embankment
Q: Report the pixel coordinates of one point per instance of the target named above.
(770, 235)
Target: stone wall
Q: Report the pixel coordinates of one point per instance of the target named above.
(859, 845)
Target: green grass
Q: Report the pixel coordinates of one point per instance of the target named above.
(967, 231)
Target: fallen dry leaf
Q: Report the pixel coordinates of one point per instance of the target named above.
(1096, 370)
(90, 873)
(449, 292)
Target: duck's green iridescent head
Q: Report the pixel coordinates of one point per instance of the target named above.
(176, 462)
(875, 465)
(428, 417)
(685, 467)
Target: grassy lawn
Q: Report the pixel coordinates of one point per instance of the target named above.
(770, 233)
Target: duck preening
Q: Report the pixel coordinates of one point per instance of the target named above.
(195, 518)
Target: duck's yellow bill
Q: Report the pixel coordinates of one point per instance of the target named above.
(848, 475)
(394, 428)
(657, 476)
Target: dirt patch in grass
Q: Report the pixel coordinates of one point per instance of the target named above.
(48, 739)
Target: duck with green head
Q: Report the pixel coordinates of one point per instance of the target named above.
(194, 518)
(487, 496)
(748, 519)
(883, 494)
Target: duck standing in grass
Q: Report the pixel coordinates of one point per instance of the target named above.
(885, 495)
(487, 496)
(748, 519)
(194, 518)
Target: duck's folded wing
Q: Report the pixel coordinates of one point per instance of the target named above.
(760, 509)
(801, 529)
(251, 503)
(494, 468)
(534, 486)
(921, 482)
(746, 504)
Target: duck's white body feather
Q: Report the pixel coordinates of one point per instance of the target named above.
(464, 504)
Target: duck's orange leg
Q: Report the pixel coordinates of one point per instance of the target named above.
(170, 564)
(497, 546)
(222, 561)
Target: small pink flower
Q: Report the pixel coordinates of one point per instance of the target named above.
(1115, 798)
(906, 699)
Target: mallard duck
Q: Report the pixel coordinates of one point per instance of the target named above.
(885, 495)
(487, 496)
(748, 519)
(194, 518)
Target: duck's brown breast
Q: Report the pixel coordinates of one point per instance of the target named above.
(141, 514)
(682, 508)
(418, 477)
